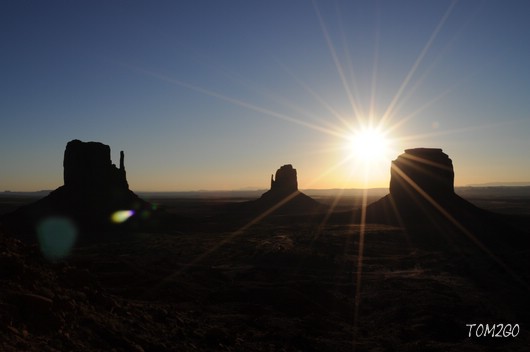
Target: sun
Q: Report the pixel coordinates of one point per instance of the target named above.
(369, 146)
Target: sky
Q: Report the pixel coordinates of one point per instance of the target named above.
(217, 95)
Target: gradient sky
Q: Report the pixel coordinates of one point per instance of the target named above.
(219, 94)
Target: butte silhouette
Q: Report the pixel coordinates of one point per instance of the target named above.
(421, 185)
(422, 201)
(284, 196)
(94, 189)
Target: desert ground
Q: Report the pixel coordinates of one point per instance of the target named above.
(219, 281)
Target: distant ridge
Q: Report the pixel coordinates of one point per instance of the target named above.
(26, 194)
(500, 184)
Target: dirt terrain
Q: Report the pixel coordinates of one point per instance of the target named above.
(280, 284)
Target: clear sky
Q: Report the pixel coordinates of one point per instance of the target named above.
(219, 94)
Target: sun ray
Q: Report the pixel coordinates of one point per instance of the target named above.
(222, 242)
(431, 102)
(419, 59)
(372, 110)
(399, 218)
(416, 112)
(315, 95)
(417, 137)
(234, 77)
(301, 111)
(349, 61)
(359, 271)
(238, 102)
(356, 110)
(329, 212)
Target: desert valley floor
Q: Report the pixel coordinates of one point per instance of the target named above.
(283, 283)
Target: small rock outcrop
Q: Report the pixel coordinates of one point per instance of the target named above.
(284, 195)
(419, 170)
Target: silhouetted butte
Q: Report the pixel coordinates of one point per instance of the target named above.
(93, 190)
(421, 190)
(423, 201)
(427, 171)
(284, 196)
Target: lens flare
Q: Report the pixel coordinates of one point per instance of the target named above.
(56, 237)
(121, 216)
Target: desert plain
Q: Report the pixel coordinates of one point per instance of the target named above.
(298, 282)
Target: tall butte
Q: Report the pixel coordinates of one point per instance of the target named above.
(420, 173)
(93, 190)
(88, 168)
(422, 190)
(286, 181)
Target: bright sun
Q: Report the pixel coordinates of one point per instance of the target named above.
(369, 146)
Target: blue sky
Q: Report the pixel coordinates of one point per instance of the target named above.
(219, 94)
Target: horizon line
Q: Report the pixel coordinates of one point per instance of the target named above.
(258, 189)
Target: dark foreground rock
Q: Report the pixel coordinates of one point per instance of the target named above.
(268, 288)
(63, 307)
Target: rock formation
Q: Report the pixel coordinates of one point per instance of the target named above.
(421, 183)
(286, 181)
(284, 195)
(419, 170)
(92, 181)
(423, 203)
(93, 190)
(88, 165)
(422, 193)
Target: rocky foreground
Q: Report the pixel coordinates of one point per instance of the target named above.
(272, 288)
(63, 307)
